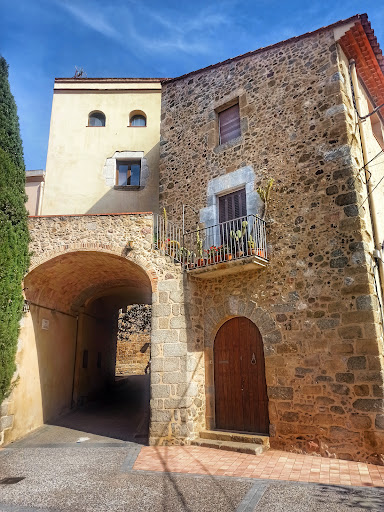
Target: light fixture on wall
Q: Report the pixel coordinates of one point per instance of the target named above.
(26, 306)
(128, 247)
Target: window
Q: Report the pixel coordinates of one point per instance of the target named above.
(96, 119)
(232, 206)
(229, 123)
(128, 173)
(138, 120)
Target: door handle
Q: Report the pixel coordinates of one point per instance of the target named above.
(253, 360)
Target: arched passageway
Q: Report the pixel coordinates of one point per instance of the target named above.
(241, 402)
(71, 333)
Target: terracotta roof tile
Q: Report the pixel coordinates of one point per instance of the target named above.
(362, 18)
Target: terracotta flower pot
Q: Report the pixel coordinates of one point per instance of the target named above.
(251, 251)
(228, 257)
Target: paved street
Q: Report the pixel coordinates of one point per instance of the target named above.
(95, 460)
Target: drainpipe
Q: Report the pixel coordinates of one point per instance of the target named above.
(40, 203)
(371, 201)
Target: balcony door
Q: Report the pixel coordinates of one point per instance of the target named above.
(232, 206)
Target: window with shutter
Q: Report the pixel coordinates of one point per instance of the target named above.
(232, 206)
(229, 124)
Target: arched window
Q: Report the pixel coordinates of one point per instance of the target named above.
(138, 120)
(96, 119)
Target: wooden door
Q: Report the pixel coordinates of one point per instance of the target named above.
(241, 400)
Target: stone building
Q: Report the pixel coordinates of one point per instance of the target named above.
(265, 321)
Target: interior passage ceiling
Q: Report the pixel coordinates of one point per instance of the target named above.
(64, 283)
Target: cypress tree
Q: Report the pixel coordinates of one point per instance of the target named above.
(14, 257)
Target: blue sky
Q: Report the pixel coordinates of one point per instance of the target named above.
(44, 39)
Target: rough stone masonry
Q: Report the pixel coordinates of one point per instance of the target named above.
(315, 303)
(133, 340)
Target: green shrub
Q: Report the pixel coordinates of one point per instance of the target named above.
(14, 258)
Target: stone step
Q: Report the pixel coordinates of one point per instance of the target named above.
(236, 437)
(252, 449)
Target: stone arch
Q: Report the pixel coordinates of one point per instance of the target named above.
(75, 293)
(214, 319)
(138, 259)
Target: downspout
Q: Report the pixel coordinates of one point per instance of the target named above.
(371, 201)
(41, 193)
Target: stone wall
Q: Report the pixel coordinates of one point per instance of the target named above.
(315, 303)
(77, 257)
(133, 340)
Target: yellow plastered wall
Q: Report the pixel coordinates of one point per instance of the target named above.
(45, 361)
(77, 153)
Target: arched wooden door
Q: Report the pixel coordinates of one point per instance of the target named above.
(241, 400)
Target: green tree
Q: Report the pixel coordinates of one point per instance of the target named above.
(14, 257)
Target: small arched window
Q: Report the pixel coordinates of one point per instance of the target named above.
(96, 119)
(138, 120)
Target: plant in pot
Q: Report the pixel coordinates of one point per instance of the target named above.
(219, 253)
(211, 254)
(199, 245)
(251, 245)
(238, 238)
(174, 249)
(265, 195)
(227, 253)
(188, 257)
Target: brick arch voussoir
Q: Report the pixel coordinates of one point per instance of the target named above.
(140, 260)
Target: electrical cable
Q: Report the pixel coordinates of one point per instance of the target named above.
(370, 193)
(365, 165)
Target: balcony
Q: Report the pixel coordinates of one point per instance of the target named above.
(229, 247)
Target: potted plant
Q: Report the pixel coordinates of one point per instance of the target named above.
(238, 238)
(199, 245)
(265, 194)
(227, 253)
(211, 254)
(251, 245)
(173, 247)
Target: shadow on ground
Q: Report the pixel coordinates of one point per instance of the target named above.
(122, 412)
(119, 415)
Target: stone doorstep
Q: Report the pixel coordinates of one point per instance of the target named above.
(234, 442)
(237, 437)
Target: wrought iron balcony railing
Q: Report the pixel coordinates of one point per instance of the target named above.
(168, 238)
(232, 240)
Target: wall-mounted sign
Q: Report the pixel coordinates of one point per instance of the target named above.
(45, 324)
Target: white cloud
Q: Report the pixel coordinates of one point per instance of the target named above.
(91, 18)
(163, 32)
